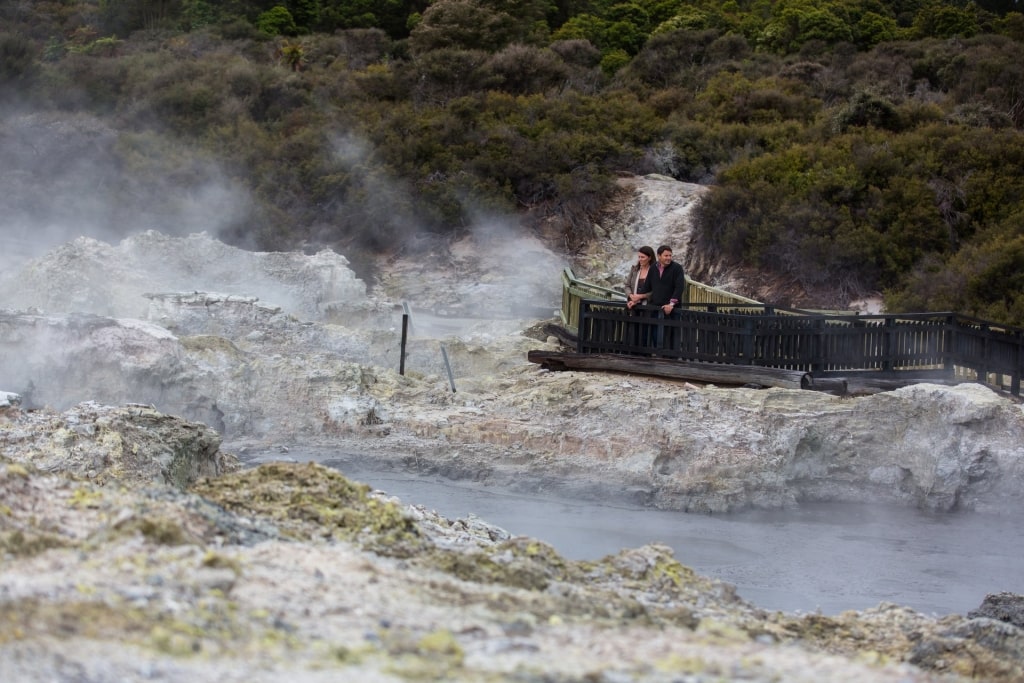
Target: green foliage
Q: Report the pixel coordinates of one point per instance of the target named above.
(731, 97)
(472, 25)
(873, 29)
(391, 16)
(292, 54)
(101, 47)
(520, 70)
(796, 25)
(984, 280)
(306, 13)
(850, 212)
(17, 58)
(865, 109)
(613, 60)
(123, 17)
(945, 21)
(672, 57)
(197, 14)
(688, 19)
(277, 21)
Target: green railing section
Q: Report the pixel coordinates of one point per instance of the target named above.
(575, 290)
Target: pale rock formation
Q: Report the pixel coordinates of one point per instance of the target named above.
(130, 445)
(90, 276)
(716, 449)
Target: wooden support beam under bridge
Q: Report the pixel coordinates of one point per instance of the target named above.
(714, 373)
(724, 374)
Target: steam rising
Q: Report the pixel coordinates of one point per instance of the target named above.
(102, 229)
(60, 179)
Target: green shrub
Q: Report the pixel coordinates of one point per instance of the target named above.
(277, 21)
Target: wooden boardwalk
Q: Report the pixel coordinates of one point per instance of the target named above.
(716, 327)
(903, 347)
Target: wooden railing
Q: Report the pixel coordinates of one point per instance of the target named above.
(575, 290)
(939, 345)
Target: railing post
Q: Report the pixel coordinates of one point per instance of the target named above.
(1018, 366)
(887, 364)
(749, 332)
(985, 352)
(817, 346)
(580, 325)
(949, 342)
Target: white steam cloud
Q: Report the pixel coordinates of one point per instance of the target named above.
(69, 176)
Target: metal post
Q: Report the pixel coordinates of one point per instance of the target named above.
(448, 367)
(405, 333)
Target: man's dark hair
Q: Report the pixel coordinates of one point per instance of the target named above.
(662, 248)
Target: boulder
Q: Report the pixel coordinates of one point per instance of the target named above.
(131, 445)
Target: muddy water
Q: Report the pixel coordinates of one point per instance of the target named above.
(824, 557)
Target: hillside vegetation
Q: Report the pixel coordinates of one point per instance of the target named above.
(852, 145)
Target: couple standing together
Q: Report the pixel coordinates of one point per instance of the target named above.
(660, 282)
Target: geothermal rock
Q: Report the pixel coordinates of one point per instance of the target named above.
(130, 445)
(90, 276)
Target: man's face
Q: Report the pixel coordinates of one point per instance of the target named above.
(665, 257)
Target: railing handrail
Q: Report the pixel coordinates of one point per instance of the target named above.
(822, 344)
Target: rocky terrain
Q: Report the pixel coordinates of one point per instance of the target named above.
(116, 567)
(143, 375)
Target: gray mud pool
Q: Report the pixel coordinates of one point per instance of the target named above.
(819, 558)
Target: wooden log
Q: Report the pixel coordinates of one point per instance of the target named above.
(714, 373)
(829, 385)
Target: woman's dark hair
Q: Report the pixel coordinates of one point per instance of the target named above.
(647, 250)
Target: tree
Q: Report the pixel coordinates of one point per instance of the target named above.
(122, 17)
(306, 13)
(479, 25)
(945, 21)
(464, 25)
(17, 58)
(798, 25)
(391, 16)
(293, 55)
(522, 69)
(277, 21)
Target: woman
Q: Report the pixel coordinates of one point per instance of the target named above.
(638, 275)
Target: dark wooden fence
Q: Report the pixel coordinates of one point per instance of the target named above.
(940, 345)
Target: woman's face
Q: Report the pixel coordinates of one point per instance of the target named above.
(643, 258)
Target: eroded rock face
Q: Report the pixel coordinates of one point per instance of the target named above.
(131, 445)
(714, 450)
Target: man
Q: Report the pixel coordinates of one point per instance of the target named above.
(665, 286)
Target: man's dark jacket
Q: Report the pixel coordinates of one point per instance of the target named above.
(665, 286)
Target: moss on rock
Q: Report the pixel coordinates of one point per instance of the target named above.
(308, 501)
